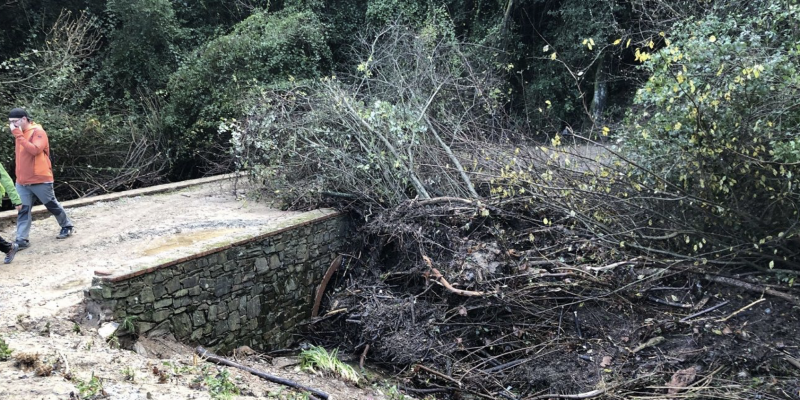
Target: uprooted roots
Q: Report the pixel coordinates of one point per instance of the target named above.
(456, 301)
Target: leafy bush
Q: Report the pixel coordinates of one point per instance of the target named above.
(717, 125)
(263, 49)
(405, 126)
(5, 351)
(143, 45)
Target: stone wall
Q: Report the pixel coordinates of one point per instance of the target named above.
(253, 292)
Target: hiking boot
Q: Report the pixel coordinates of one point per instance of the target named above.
(66, 232)
(11, 253)
(23, 244)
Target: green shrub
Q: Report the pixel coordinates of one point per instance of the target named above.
(263, 49)
(5, 351)
(717, 126)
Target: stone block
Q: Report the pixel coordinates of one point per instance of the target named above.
(146, 295)
(242, 304)
(222, 286)
(198, 318)
(221, 328)
(190, 282)
(230, 266)
(182, 326)
(275, 261)
(121, 292)
(144, 327)
(182, 301)
(162, 275)
(262, 265)
(95, 292)
(159, 290)
(163, 303)
(136, 309)
(173, 285)
(254, 307)
(137, 286)
(233, 321)
(160, 315)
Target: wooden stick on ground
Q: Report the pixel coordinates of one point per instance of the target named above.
(707, 310)
(754, 288)
(740, 310)
(220, 360)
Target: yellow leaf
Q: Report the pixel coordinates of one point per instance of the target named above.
(553, 56)
(628, 43)
(549, 104)
(606, 130)
(678, 126)
(661, 34)
(771, 264)
(651, 44)
(712, 39)
(618, 41)
(591, 41)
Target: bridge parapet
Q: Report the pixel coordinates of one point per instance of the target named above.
(251, 292)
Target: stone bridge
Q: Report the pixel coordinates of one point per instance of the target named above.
(199, 259)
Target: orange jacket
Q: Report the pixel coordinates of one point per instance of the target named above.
(33, 155)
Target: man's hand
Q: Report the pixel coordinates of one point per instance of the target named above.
(19, 207)
(11, 126)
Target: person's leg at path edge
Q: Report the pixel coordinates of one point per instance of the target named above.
(44, 191)
(24, 216)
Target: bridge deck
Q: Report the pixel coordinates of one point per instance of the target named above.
(124, 234)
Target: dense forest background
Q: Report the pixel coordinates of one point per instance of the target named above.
(384, 101)
(477, 143)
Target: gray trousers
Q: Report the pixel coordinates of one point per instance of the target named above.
(43, 192)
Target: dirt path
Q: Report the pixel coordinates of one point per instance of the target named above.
(41, 290)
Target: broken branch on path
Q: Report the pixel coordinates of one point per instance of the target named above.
(223, 361)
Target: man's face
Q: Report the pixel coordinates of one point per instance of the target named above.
(18, 122)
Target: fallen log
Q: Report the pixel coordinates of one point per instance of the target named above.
(223, 361)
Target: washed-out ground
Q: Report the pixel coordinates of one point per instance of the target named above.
(42, 290)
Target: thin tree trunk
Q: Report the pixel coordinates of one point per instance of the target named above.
(453, 158)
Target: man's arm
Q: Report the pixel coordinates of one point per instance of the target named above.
(36, 144)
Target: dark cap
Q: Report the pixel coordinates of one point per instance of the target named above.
(18, 113)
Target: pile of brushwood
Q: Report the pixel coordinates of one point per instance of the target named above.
(460, 302)
(651, 258)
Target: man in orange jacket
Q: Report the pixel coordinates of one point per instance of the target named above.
(34, 175)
